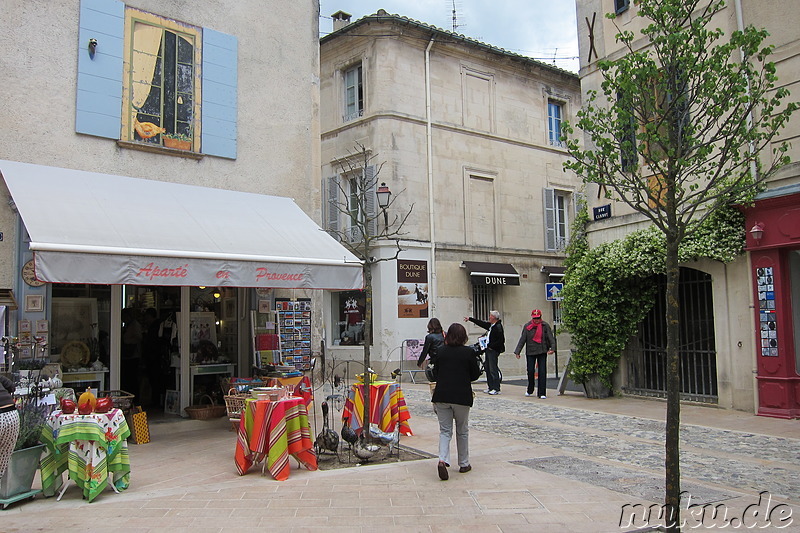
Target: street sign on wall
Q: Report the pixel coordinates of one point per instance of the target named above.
(553, 291)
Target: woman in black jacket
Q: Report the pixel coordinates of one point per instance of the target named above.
(434, 340)
(456, 368)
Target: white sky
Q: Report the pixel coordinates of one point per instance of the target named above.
(542, 29)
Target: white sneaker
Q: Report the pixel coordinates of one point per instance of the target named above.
(543, 397)
(494, 392)
(487, 391)
(528, 394)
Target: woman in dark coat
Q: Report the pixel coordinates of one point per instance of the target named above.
(456, 368)
(434, 340)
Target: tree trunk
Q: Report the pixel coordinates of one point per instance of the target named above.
(672, 440)
(367, 345)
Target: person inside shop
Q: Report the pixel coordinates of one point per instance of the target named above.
(456, 368)
(155, 352)
(434, 340)
(538, 340)
(130, 352)
(496, 345)
(9, 422)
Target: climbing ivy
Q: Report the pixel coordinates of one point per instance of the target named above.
(608, 289)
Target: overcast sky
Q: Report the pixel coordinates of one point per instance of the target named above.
(542, 29)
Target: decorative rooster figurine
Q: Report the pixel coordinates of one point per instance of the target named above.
(327, 438)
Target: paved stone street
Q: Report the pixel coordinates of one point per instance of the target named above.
(562, 464)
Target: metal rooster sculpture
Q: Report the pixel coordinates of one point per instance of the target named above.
(327, 438)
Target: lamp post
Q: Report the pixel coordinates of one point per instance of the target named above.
(384, 194)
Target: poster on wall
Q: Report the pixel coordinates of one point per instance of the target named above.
(412, 289)
(768, 321)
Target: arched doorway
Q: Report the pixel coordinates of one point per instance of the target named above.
(646, 362)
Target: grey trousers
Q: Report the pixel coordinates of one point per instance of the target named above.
(447, 413)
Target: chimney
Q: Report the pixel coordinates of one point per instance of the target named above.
(340, 20)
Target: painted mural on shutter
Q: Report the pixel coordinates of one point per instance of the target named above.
(98, 109)
(549, 196)
(332, 207)
(220, 75)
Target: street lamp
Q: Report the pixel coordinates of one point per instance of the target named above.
(383, 193)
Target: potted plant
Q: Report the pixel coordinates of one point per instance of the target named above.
(179, 141)
(17, 482)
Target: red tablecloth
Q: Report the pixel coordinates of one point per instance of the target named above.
(273, 431)
(387, 407)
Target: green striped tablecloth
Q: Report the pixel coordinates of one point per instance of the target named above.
(91, 447)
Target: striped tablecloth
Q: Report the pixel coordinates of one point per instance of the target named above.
(91, 447)
(274, 431)
(387, 407)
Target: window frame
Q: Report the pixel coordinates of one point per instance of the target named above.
(357, 86)
(134, 16)
(483, 295)
(557, 219)
(560, 105)
(620, 6)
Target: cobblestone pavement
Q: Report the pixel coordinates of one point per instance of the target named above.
(736, 461)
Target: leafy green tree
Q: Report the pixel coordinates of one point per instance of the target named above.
(683, 125)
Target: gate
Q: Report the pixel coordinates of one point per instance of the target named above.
(697, 348)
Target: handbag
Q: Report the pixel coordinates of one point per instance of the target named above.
(430, 373)
(140, 430)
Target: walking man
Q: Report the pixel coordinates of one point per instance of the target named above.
(496, 345)
(538, 339)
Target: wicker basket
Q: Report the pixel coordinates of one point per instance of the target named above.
(205, 412)
(121, 399)
(234, 403)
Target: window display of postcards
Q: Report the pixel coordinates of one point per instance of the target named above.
(294, 321)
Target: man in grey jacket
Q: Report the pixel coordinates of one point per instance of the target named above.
(538, 339)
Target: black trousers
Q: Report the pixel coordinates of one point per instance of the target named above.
(533, 361)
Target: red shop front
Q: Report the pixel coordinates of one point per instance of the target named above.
(773, 240)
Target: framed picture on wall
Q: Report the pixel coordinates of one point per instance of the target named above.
(34, 302)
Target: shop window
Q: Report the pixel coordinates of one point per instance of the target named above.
(794, 279)
(353, 93)
(349, 309)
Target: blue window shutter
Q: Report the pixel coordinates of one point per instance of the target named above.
(219, 104)
(98, 109)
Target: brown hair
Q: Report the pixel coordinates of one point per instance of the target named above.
(434, 326)
(456, 335)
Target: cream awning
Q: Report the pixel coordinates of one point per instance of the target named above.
(88, 227)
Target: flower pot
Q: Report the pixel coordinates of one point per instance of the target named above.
(22, 468)
(178, 144)
(594, 388)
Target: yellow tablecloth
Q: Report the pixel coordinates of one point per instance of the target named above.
(90, 446)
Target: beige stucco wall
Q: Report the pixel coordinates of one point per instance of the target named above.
(277, 141)
(278, 102)
(502, 137)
